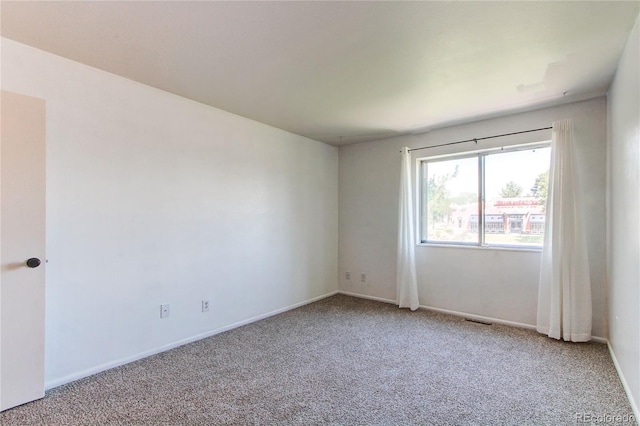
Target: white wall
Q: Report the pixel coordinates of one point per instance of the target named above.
(153, 198)
(623, 215)
(494, 283)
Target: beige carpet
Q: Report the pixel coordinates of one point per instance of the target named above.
(347, 361)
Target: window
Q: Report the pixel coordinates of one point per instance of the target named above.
(490, 198)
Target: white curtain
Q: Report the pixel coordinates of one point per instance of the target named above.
(564, 295)
(407, 284)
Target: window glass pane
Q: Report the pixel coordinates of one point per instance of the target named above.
(515, 197)
(450, 202)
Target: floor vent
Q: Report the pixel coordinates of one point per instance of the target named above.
(477, 321)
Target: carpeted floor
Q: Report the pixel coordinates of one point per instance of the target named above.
(349, 361)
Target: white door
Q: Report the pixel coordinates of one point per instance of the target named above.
(22, 237)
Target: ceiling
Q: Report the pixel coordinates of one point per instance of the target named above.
(343, 72)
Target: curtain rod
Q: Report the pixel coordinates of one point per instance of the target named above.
(481, 139)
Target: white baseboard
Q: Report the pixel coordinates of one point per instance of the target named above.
(625, 385)
(462, 314)
(447, 311)
(480, 317)
(599, 340)
(126, 360)
(364, 296)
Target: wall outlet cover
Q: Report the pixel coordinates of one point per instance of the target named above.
(164, 310)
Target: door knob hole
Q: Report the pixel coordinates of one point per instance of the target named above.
(34, 262)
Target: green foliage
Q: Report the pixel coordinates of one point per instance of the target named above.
(511, 190)
(439, 197)
(540, 187)
(465, 198)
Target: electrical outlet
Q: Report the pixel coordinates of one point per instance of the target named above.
(205, 305)
(164, 310)
(347, 275)
(363, 277)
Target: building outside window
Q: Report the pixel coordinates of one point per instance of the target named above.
(500, 192)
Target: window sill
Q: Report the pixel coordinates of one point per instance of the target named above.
(476, 247)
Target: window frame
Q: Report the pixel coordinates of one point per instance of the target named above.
(481, 155)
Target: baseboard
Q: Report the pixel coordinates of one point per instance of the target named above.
(462, 314)
(365, 296)
(625, 385)
(448, 312)
(126, 360)
(480, 317)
